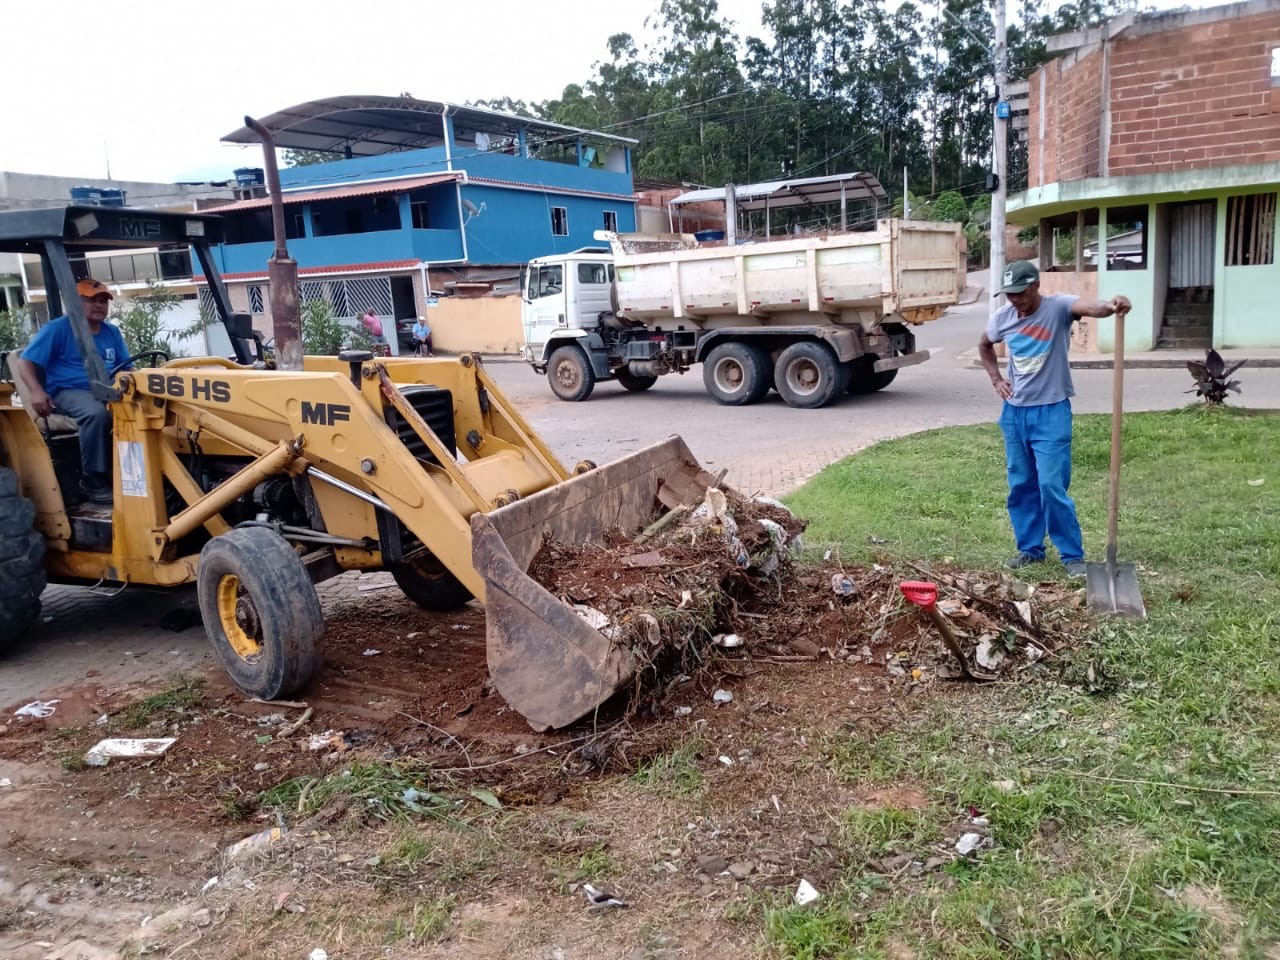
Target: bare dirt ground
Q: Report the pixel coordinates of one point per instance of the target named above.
(421, 817)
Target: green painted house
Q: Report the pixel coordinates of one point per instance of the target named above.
(1153, 172)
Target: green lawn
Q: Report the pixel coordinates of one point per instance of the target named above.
(1088, 863)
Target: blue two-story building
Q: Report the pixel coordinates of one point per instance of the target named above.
(422, 198)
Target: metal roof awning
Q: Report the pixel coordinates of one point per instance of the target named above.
(340, 192)
(776, 194)
(366, 126)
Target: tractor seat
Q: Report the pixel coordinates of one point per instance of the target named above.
(58, 423)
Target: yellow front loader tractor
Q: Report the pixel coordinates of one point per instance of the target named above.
(256, 483)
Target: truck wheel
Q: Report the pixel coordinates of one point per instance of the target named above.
(570, 374)
(428, 583)
(260, 611)
(808, 375)
(736, 373)
(863, 379)
(632, 382)
(22, 575)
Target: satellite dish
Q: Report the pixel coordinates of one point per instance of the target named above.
(470, 207)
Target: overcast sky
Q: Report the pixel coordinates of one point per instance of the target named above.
(153, 85)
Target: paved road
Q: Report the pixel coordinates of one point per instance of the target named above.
(769, 448)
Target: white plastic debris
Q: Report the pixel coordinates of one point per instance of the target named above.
(371, 652)
(969, 842)
(596, 619)
(5, 782)
(38, 709)
(726, 760)
(722, 696)
(1024, 611)
(842, 586)
(209, 884)
(598, 899)
(989, 655)
(256, 843)
(104, 751)
(1257, 483)
(318, 953)
(683, 711)
(727, 640)
(806, 894)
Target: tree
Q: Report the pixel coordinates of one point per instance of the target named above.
(307, 158)
(950, 206)
(15, 329)
(139, 319)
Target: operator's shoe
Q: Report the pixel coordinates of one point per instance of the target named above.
(1076, 569)
(97, 492)
(1022, 560)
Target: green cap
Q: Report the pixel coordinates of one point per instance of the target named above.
(1019, 275)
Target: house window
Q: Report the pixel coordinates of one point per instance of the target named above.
(1251, 229)
(1126, 239)
(1275, 65)
(418, 215)
(559, 222)
(255, 298)
(611, 220)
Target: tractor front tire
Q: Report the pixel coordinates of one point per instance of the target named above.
(260, 611)
(22, 574)
(428, 583)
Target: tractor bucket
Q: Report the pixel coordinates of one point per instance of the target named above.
(548, 663)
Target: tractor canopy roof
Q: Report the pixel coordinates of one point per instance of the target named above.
(97, 228)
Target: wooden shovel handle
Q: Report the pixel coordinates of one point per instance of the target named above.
(1117, 413)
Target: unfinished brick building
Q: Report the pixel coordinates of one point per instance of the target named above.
(1154, 164)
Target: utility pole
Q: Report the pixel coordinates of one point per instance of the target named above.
(1000, 151)
(906, 197)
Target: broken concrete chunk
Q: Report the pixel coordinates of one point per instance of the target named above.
(712, 864)
(741, 869)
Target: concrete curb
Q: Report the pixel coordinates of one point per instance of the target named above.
(970, 295)
(1146, 363)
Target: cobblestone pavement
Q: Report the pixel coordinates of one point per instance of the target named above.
(768, 448)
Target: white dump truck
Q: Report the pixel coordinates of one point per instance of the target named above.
(811, 317)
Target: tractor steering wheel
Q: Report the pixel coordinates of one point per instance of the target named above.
(164, 357)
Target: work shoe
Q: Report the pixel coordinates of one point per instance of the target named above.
(1022, 560)
(96, 492)
(1076, 569)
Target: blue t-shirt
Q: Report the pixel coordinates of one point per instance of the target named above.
(1037, 344)
(54, 349)
(421, 330)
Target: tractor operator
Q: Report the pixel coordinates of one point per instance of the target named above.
(52, 369)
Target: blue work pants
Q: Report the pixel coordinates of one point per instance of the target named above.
(1037, 447)
(94, 421)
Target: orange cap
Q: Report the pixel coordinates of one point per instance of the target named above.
(92, 288)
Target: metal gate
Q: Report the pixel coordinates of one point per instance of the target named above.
(350, 297)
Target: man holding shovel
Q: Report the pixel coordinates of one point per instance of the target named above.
(1036, 417)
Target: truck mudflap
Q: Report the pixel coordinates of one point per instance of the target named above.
(548, 663)
(893, 363)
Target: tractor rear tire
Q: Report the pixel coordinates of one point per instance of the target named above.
(808, 375)
(428, 583)
(634, 383)
(736, 373)
(22, 573)
(260, 611)
(570, 375)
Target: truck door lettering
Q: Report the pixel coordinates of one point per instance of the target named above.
(325, 414)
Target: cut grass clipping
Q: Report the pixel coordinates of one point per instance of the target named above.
(1134, 803)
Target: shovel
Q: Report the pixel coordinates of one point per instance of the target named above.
(925, 596)
(1112, 587)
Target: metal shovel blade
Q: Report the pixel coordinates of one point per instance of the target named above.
(1112, 588)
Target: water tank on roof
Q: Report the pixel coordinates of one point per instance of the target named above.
(98, 196)
(249, 176)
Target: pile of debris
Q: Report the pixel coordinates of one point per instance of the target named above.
(722, 578)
